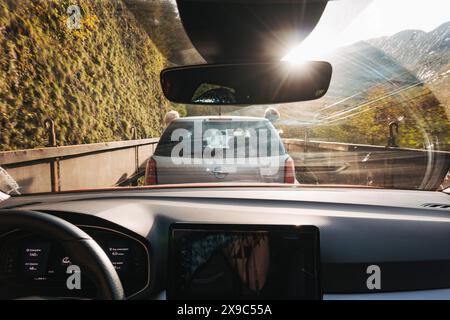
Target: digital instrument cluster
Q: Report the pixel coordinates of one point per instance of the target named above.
(29, 261)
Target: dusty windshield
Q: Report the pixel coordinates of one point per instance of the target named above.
(81, 105)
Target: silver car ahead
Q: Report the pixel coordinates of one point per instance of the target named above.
(220, 149)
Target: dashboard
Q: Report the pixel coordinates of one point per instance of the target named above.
(396, 230)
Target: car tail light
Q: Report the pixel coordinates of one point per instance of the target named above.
(150, 172)
(289, 171)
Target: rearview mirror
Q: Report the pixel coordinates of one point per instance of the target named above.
(244, 84)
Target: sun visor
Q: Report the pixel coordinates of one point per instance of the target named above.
(231, 31)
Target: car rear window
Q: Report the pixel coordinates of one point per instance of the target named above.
(245, 137)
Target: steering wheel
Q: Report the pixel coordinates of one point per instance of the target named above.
(83, 250)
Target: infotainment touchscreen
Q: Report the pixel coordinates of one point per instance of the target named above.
(243, 262)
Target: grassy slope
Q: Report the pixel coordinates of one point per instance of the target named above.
(95, 83)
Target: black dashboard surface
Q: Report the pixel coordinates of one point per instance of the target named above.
(358, 227)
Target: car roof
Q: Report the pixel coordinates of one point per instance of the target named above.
(230, 118)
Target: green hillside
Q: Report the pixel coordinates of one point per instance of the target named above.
(96, 83)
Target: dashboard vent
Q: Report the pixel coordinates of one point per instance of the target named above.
(436, 205)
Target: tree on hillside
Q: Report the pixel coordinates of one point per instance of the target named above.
(422, 119)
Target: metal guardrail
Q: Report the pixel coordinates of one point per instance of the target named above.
(320, 162)
(80, 166)
(120, 163)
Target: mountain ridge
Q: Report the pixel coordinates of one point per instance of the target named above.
(426, 54)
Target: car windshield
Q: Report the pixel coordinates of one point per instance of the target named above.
(81, 103)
